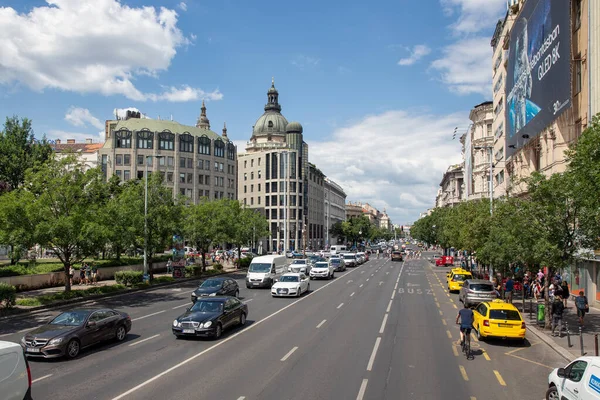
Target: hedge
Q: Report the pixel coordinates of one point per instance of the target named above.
(243, 262)
(129, 278)
(8, 295)
(53, 297)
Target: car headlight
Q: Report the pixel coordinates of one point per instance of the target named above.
(213, 294)
(56, 340)
(207, 324)
(175, 323)
(194, 294)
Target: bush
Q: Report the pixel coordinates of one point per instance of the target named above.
(217, 267)
(193, 270)
(29, 302)
(129, 278)
(243, 262)
(8, 295)
(163, 279)
(59, 296)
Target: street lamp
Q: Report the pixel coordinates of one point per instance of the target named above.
(146, 277)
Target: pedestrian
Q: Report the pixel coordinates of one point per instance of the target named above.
(508, 289)
(581, 303)
(94, 274)
(82, 274)
(540, 275)
(565, 291)
(71, 273)
(557, 311)
(88, 274)
(551, 290)
(537, 289)
(169, 266)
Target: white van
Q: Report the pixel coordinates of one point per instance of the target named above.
(15, 377)
(578, 380)
(264, 270)
(337, 249)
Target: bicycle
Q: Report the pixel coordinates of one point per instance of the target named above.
(466, 344)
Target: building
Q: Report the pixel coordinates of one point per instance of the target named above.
(87, 152)
(353, 210)
(451, 187)
(316, 211)
(273, 175)
(194, 161)
(335, 210)
(385, 222)
(477, 144)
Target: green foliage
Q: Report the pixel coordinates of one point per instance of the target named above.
(243, 262)
(129, 278)
(193, 270)
(73, 294)
(217, 267)
(8, 295)
(162, 279)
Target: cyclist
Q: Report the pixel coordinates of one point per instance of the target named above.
(466, 322)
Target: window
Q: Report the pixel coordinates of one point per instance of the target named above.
(181, 178)
(577, 14)
(245, 164)
(273, 214)
(252, 163)
(251, 188)
(293, 187)
(204, 145)
(258, 199)
(169, 177)
(489, 129)
(251, 175)
(273, 200)
(216, 181)
(119, 159)
(259, 174)
(189, 193)
(293, 201)
(186, 143)
(220, 167)
(281, 187)
(140, 174)
(217, 196)
(166, 141)
(140, 159)
(267, 188)
(281, 200)
(268, 169)
(126, 175)
(216, 166)
(245, 176)
(274, 166)
(219, 148)
(221, 181)
(170, 161)
(575, 371)
(182, 162)
(245, 189)
(190, 178)
(200, 164)
(190, 163)
(577, 80)
(251, 201)
(127, 159)
(230, 151)
(259, 161)
(119, 173)
(259, 187)
(266, 198)
(274, 187)
(123, 139)
(182, 191)
(145, 140)
(201, 179)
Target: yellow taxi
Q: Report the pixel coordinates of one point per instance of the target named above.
(449, 273)
(456, 279)
(499, 319)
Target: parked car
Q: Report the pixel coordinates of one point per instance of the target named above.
(290, 284)
(498, 319)
(322, 269)
(397, 256)
(578, 380)
(210, 317)
(338, 263)
(475, 291)
(457, 279)
(217, 286)
(350, 259)
(15, 375)
(74, 330)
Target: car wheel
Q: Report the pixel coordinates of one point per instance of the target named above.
(479, 337)
(311, 278)
(248, 287)
(308, 288)
(552, 393)
(219, 331)
(237, 293)
(242, 319)
(333, 275)
(120, 333)
(73, 348)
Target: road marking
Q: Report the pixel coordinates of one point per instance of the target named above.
(385, 317)
(363, 388)
(351, 294)
(522, 348)
(372, 274)
(485, 355)
(443, 321)
(389, 306)
(182, 305)
(143, 340)
(380, 283)
(396, 286)
(41, 378)
(387, 273)
(441, 313)
(454, 305)
(321, 323)
(533, 362)
(222, 342)
(350, 281)
(474, 337)
(362, 272)
(454, 350)
(437, 304)
(393, 295)
(361, 285)
(368, 279)
(372, 359)
(243, 397)
(149, 315)
(473, 398)
(340, 306)
(499, 377)
(449, 334)
(463, 372)
(289, 353)
(247, 301)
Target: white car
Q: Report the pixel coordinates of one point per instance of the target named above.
(322, 269)
(578, 380)
(15, 376)
(300, 266)
(350, 259)
(290, 284)
(362, 257)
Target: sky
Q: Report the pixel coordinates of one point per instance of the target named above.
(378, 87)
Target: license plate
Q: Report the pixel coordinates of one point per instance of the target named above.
(256, 283)
(188, 331)
(33, 350)
(504, 325)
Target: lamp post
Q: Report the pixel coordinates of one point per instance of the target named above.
(146, 277)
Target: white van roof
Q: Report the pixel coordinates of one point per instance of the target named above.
(8, 345)
(267, 258)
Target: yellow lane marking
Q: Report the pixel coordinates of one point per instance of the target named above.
(463, 372)
(499, 377)
(473, 337)
(449, 334)
(533, 362)
(443, 321)
(441, 313)
(437, 304)
(473, 398)
(485, 355)
(455, 351)
(522, 348)
(454, 305)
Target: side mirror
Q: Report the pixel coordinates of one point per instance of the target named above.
(91, 324)
(561, 373)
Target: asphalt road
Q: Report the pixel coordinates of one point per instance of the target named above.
(384, 330)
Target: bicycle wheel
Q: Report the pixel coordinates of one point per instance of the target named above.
(468, 348)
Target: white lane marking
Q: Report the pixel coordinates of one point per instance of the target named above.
(350, 281)
(41, 378)
(241, 398)
(321, 323)
(362, 390)
(387, 272)
(380, 283)
(182, 305)
(373, 354)
(289, 353)
(385, 317)
(389, 306)
(340, 306)
(143, 340)
(247, 301)
(351, 294)
(362, 272)
(222, 342)
(372, 274)
(368, 279)
(393, 294)
(361, 285)
(396, 285)
(149, 315)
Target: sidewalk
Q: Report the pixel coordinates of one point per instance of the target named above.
(561, 344)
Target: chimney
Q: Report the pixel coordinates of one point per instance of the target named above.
(70, 141)
(88, 141)
(57, 141)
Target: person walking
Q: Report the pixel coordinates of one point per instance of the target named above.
(508, 289)
(82, 274)
(88, 274)
(581, 303)
(94, 273)
(557, 312)
(71, 273)
(564, 291)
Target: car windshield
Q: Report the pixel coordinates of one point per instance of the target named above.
(349, 257)
(510, 315)
(289, 278)
(71, 318)
(397, 253)
(460, 277)
(481, 287)
(299, 262)
(321, 265)
(335, 260)
(207, 306)
(258, 267)
(211, 283)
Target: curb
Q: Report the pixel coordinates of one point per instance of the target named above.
(564, 353)
(20, 312)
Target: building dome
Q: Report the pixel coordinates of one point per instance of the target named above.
(294, 127)
(270, 122)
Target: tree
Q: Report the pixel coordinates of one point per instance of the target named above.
(243, 224)
(337, 231)
(20, 151)
(16, 226)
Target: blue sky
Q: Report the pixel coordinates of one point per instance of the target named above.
(378, 88)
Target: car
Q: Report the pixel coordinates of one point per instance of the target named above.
(362, 257)
(300, 266)
(210, 317)
(290, 284)
(15, 375)
(338, 263)
(498, 319)
(311, 260)
(71, 331)
(457, 279)
(264, 270)
(578, 380)
(350, 259)
(217, 286)
(453, 270)
(397, 256)
(322, 269)
(474, 291)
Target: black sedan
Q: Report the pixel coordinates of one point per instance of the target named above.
(74, 330)
(210, 316)
(217, 286)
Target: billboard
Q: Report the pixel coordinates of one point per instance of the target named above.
(538, 76)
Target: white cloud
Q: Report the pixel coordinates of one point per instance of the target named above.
(418, 52)
(81, 117)
(84, 47)
(182, 6)
(303, 61)
(185, 93)
(395, 161)
(474, 15)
